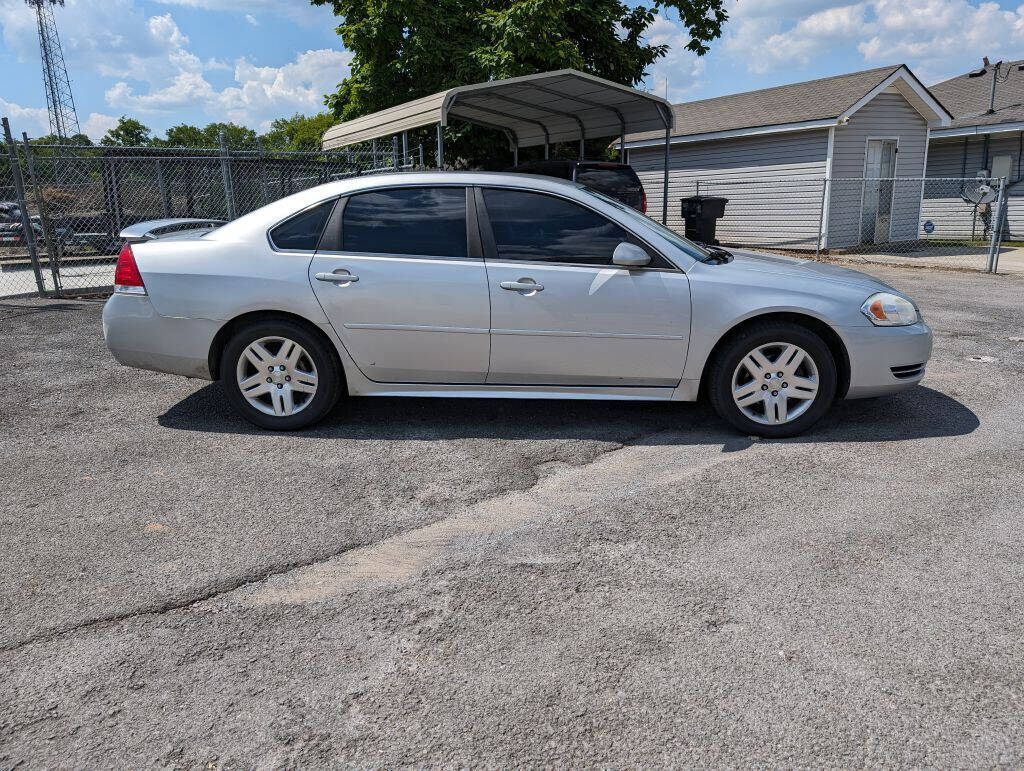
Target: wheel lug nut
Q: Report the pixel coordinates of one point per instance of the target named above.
(270, 369)
(282, 368)
(280, 385)
(268, 379)
(763, 388)
(287, 378)
(785, 385)
(779, 374)
(768, 376)
(774, 393)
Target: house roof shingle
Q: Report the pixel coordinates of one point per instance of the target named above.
(795, 103)
(967, 98)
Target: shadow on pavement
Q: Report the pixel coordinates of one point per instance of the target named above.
(916, 414)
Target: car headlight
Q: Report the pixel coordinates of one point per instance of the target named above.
(889, 310)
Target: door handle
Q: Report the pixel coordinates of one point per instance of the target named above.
(522, 286)
(337, 278)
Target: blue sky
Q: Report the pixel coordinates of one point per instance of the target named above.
(195, 61)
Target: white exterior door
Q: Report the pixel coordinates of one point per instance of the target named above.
(561, 314)
(880, 168)
(408, 301)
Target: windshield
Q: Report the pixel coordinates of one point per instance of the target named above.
(683, 244)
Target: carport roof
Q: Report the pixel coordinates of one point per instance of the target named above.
(559, 106)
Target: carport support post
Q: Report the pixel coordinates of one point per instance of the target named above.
(440, 146)
(405, 147)
(26, 219)
(54, 249)
(394, 152)
(664, 184)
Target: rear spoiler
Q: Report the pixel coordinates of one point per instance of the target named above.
(153, 229)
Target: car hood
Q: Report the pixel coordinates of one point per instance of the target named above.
(806, 270)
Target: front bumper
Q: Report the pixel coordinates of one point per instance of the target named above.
(875, 351)
(140, 337)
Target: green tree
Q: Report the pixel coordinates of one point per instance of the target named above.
(182, 135)
(299, 132)
(237, 137)
(406, 49)
(127, 133)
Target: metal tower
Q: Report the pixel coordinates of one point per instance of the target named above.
(59, 102)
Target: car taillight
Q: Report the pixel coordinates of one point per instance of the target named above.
(643, 203)
(127, 279)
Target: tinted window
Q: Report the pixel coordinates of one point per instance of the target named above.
(530, 226)
(413, 220)
(303, 230)
(604, 179)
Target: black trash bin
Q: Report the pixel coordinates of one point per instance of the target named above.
(700, 213)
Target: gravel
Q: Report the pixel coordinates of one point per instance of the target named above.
(434, 582)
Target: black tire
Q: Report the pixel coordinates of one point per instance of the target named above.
(329, 377)
(728, 358)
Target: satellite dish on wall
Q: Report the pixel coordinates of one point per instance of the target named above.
(981, 190)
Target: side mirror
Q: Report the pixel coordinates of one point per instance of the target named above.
(629, 255)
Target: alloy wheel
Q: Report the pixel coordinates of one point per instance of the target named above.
(276, 376)
(775, 383)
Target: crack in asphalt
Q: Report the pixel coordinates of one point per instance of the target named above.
(262, 576)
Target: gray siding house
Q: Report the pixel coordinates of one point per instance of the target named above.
(770, 151)
(986, 136)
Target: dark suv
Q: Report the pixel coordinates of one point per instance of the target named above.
(617, 180)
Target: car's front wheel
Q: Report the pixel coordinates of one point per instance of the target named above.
(280, 375)
(773, 379)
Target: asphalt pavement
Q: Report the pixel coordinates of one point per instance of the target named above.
(452, 583)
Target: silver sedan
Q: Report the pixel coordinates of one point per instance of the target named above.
(499, 285)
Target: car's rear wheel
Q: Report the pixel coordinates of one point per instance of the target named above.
(773, 379)
(280, 375)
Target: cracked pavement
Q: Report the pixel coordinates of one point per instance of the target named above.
(442, 582)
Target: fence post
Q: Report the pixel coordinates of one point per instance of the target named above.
(821, 217)
(225, 171)
(26, 219)
(54, 248)
(394, 151)
(262, 161)
(992, 265)
(165, 196)
(405, 147)
(421, 156)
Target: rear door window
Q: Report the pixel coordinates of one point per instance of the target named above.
(422, 221)
(303, 231)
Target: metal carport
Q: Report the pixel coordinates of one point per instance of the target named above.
(533, 110)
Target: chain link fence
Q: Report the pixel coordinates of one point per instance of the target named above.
(959, 223)
(76, 200)
(62, 208)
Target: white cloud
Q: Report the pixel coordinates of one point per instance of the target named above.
(98, 124)
(300, 12)
(680, 69)
(33, 120)
(252, 20)
(259, 94)
(937, 38)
